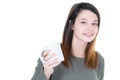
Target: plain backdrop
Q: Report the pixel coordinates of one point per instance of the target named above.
(27, 25)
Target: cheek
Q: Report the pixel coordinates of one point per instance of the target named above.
(97, 30)
(77, 30)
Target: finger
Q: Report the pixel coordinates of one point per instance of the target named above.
(50, 56)
(52, 63)
(55, 64)
(45, 53)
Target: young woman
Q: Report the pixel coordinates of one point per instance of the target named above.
(81, 62)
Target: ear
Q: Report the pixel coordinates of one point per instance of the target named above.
(70, 21)
(72, 27)
(71, 24)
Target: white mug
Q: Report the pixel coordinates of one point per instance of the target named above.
(55, 48)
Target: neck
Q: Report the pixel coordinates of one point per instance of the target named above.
(78, 49)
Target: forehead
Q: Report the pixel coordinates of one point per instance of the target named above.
(87, 15)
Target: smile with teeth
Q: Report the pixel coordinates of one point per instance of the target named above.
(88, 34)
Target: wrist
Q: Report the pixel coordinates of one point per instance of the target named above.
(48, 74)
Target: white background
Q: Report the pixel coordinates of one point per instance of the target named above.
(27, 25)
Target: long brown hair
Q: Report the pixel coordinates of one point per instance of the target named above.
(91, 58)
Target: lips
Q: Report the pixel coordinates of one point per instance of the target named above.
(88, 34)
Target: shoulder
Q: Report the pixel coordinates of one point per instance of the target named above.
(100, 57)
(100, 62)
(100, 68)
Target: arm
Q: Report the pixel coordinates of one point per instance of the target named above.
(44, 70)
(39, 72)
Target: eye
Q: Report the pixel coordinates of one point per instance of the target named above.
(83, 22)
(95, 24)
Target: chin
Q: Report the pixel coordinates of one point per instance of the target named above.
(90, 40)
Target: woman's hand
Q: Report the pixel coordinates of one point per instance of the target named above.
(51, 62)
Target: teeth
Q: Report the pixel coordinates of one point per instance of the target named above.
(88, 34)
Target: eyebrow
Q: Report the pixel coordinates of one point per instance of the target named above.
(86, 19)
(95, 20)
(82, 19)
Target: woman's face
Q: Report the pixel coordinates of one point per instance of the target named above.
(85, 27)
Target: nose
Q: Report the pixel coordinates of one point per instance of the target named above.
(90, 27)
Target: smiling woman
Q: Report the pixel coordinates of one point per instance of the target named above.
(86, 26)
(78, 47)
(27, 25)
